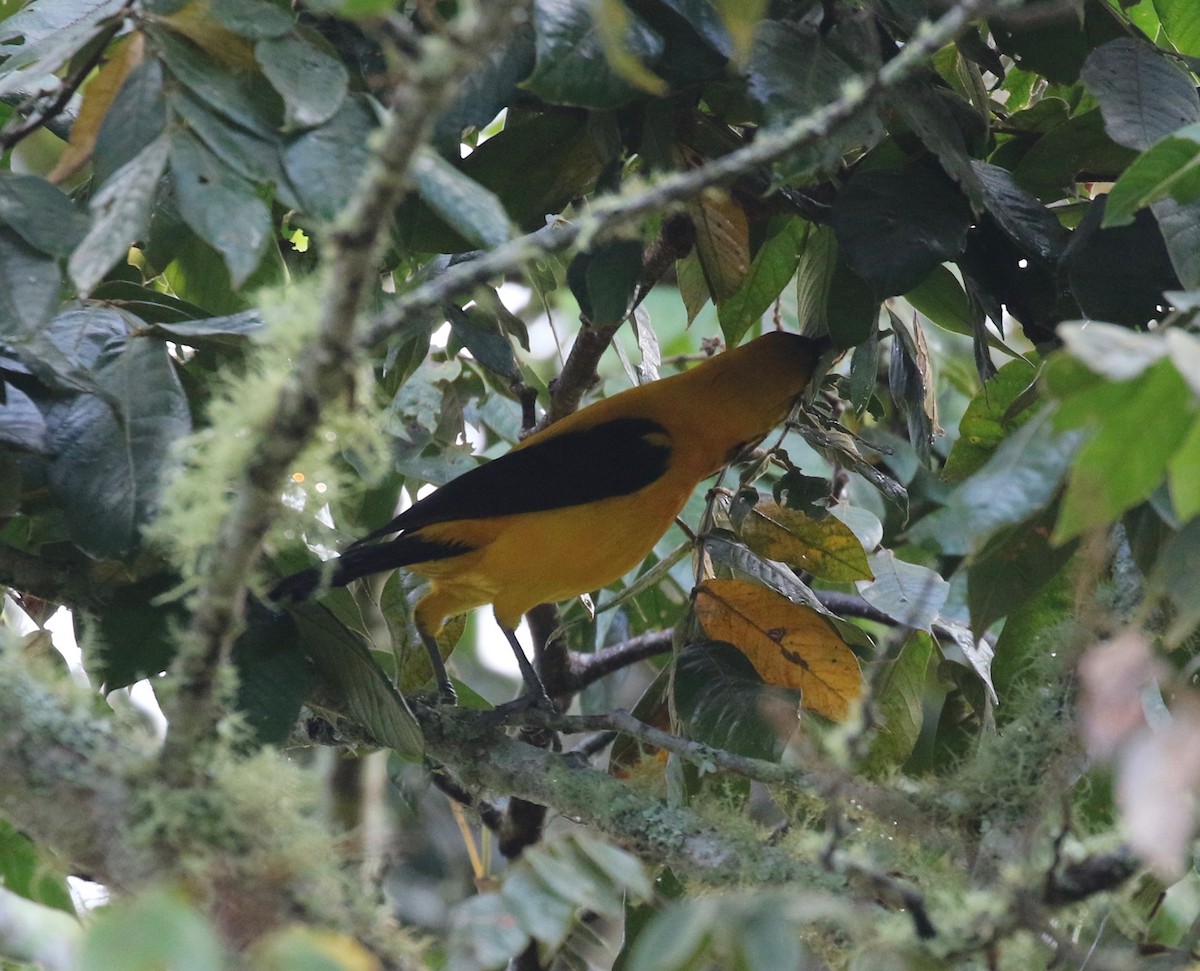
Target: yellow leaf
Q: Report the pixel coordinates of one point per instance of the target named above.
(98, 95)
(298, 946)
(789, 644)
(722, 241)
(826, 548)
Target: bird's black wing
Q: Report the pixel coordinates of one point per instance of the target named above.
(613, 458)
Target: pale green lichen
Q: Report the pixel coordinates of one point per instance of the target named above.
(198, 497)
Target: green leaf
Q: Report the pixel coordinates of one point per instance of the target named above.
(41, 214)
(723, 702)
(1183, 475)
(1143, 96)
(1111, 351)
(931, 113)
(1180, 227)
(155, 930)
(27, 872)
(1180, 21)
(235, 95)
(355, 681)
(826, 548)
(572, 66)
(773, 266)
(137, 116)
(481, 335)
(221, 208)
(1126, 459)
(120, 215)
(274, 678)
(111, 452)
(29, 285)
(255, 19)
(899, 699)
(536, 908)
(1169, 168)
(794, 71)
(324, 164)
(993, 414)
(1013, 567)
(911, 595)
(312, 83)
(132, 636)
(604, 280)
(1023, 219)
(255, 157)
(895, 226)
(1079, 144)
(1020, 478)
(462, 203)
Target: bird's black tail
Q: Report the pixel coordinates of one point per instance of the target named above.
(361, 561)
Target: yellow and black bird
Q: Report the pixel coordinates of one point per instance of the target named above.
(579, 504)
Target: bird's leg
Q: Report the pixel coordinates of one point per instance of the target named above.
(535, 691)
(445, 688)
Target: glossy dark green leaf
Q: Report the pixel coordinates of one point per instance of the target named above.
(239, 97)
(221, 208)
(794, 71)
(571, 65)
(487, 89)
(311, 81)
(1078, 145)
(41, 214)
(930, 112)
(1029, 224)
(111, 452)
(29, 286)
(135, 119)
(911, 384)
(895, 226)
(722, 701)
(245, 324)
(254, 19)
(1057, 44)
(120, 215)
(480, 334)
(45, 51)
(462, 203)
(255, 157)
(1170, 168)
(324, 164)
(1143, 96)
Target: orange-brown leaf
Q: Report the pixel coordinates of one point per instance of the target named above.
(789, 644)
(722, 241)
